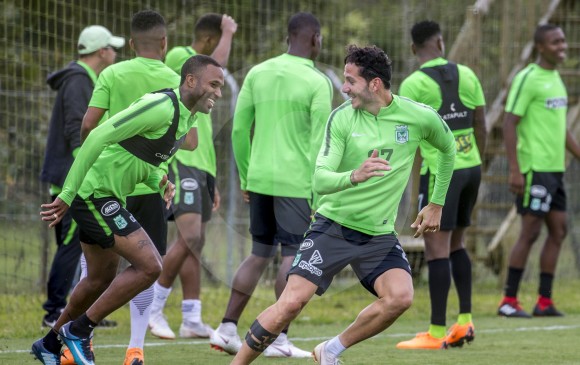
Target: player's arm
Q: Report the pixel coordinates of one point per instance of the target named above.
(190, 143)
(222, 50)
(572, 145)
(480, 129)
(510, 139)
(91, 121)
(242, 125)
(77, 94)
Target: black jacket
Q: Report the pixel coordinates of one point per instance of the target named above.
(75, 88)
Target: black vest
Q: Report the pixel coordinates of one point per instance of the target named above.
(452, 110)
(156, 151)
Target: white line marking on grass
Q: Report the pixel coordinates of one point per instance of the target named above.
(303, 339)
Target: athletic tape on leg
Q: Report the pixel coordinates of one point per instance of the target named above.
(258, 338)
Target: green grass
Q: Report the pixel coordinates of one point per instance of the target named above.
(498, 340)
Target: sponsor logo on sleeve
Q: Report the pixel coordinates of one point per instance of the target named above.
(110, 208)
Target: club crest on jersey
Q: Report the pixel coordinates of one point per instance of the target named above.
(401, 134)
(188, 198)
(120, 222)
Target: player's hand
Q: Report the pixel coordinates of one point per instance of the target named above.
(216, 200)
(516, 183)
(53, 212)
(169, 192)
(246, 196)
(229, 24)
(428, 219)
(373, 166)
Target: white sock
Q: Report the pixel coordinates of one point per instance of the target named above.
(160, 297)
(228, 328)
(140, 309)
(191, 310)
(334, 347)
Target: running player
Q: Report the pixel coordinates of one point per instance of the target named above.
(361, 172)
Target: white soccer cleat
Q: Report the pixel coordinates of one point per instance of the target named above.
(225, 338)
(159, 326)
(322, 357)
(282, 347)
(194, 330)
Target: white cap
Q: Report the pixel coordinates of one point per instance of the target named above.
(95, 37)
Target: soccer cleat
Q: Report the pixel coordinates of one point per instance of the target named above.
(512, 310)
(41, 353)
(80, 348)
(134, 356)
(546, 311)
(225, 338)
(459, 334)
(66, 358)
(159, 326)
(322, 357)
(282, 347)
(423, 341)
(194, 330)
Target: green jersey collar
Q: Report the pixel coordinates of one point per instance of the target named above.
(386, 109)
(297, 59)
(439, 61)
(89, 70)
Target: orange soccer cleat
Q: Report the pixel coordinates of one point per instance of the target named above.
(423, 341)
(459, 334)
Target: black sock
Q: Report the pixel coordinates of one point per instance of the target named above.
(439, 283)
(461, 271)
(82, 326)
(512, 283)
(546, 285)
(227, 320)
(51, 342)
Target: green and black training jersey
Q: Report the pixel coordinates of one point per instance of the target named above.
(396, 132)
(288, 101)
(539, 97)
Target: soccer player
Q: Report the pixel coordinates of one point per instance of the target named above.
(361, 172)
(194, 172)
(287, 101)
(536, 139)
(455, 92)
(74, 84)
(115, 90)
(125, 150)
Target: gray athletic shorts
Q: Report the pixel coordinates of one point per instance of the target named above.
(328, 247)
(276, 219)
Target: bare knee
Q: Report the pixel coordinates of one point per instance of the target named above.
(288, 311)
(398, 302)
(152, 270)
(194, 241)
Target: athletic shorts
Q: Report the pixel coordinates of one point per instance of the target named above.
(543, 192)
(276, 219)
(460, 199)
(194, 191)
(150, 212)
(328, 247)
(100, 219)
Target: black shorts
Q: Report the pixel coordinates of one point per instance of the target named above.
(100, 219)
(328, 247)
(194, 191)
(149, 210)
(276, 219)
(460, 199)
(543, 192)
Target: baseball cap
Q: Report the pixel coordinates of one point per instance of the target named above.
(95, 37)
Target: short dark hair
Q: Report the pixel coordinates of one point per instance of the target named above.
(301, 21)
(195, 64)
(210, 23)
(541, 30)
(423, 31)
(373, 62)
(146, 20)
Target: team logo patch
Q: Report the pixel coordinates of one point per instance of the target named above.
(296, 259)
(189, 184)
(188, 198)
(401, 134)
(110, 208)
(308, 243)
(316, 258)
(538, 191)
(120, 222)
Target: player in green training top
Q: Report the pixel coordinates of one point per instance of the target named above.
(125, 150)
(115, 91)
(455, 92)
(536, 139)
(361, 172)
(193, 173)
(286, 101)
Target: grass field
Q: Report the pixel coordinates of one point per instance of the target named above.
(498, 340)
